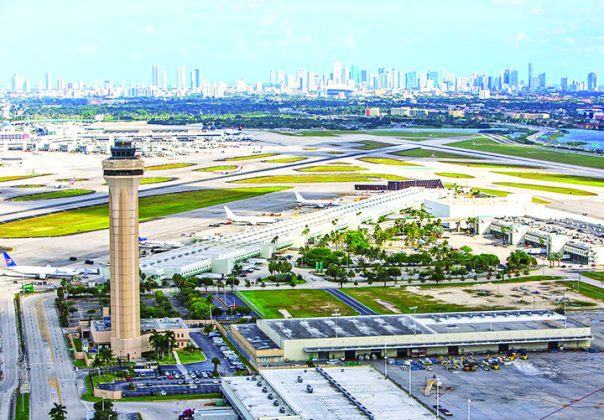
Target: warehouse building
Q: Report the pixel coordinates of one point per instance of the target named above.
(405, 335)
(317, 393)
(221, 254)
(400, 185)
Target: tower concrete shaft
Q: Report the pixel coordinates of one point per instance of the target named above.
(123, 172)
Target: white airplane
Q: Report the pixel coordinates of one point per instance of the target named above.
(232, 171)
(59, 185)
(247, 220)
(40, 272)
(312, 203)
(146, 243)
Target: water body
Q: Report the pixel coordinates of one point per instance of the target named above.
(593, 139)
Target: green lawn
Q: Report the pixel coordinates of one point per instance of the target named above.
(565, 179)
(300, 303)
(217, 168)
(52, 195)
(18, 177)
(372, 145)
(387, 161)
(332, 168)
(322, 133)
(403, 300)
(454, 175)
(423, 153)
(586, 290)
(156, 180)
(22, 407)
(167, 166)
(286, 159)
(250, 157)
(72, 179)
(28, 186)
(423, 135)
(486, 145)
(499, 193)
(491, 165)
(537, 187)
(97, 217)
(310, 178)
(184, 356)
(596, 275)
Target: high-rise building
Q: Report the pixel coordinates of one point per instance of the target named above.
(164, 79)
(564, 84)
(411, 80)
(196, 82)
(433, 75)
(592, 81)
(542, 83)
(513, 78)
(337, 72)
(123, 172)
(181, 77)
(530, 76)
(155, 75)
(47, 82)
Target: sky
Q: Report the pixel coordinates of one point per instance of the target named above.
(230, 39)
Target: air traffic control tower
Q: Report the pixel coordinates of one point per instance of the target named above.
(123, 171)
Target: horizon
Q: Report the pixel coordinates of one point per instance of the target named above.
(246, 40)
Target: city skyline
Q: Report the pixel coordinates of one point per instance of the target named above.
(467, 37)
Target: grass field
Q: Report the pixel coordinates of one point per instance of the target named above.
(72, 179)
(537, 187)
(423, 135)
(28, 186)
(499, 193)
(586, 290)
(18, 177)
(97, 217)
(185, 357)
(217, 168)
(564, 179)
(52, 195)
(491, 165)
(423, 153)
(332, 168)
(596, 275)
(286, 159)
(300, 303)
(156, 180)
(372, 145)
(403, 300)
(310, 178)
(323, 133)
(22, 407)
(387, 161)
(249, 157)
(167, 166)
(454, 175)
(486, 145)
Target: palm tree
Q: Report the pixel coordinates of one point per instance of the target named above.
(157, 342)
(169, 340)
(215, 362)
(58, 412)
(305, 232)
(105, 355)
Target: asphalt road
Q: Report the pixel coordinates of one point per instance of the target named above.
(9, 353)
(52, 376)
(353, 303)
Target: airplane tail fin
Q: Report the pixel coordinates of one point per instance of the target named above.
(141, 239)
(299, 197)
(229, 213)
(9, 261)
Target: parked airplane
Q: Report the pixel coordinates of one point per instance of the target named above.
(247, 220)
(38, 271)
(146, 243)
(312, 203)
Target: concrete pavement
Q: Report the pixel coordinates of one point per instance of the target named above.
(9, 354)
(52, 375)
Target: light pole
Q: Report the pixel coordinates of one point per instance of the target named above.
(336, 314)
(437, 400)
(385, 362)
(469, 402)
(409, 380)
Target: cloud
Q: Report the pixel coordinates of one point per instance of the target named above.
(509, 2)
(348, 41)
(149, 28)
(520, 39)
(267, 19)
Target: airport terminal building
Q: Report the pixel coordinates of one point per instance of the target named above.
(274, 341)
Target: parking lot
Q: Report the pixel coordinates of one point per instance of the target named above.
(571, 382)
